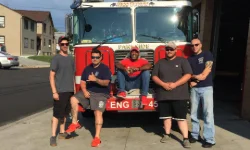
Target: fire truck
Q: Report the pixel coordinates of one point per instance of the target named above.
(114, 27)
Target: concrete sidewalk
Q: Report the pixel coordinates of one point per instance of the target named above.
(29, 63)
(33, 133)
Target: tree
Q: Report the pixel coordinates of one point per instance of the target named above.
(55, 30)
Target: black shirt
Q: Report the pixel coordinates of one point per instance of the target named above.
(198, 64)
(171, 71)
(101, 72)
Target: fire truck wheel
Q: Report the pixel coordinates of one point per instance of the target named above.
(88, 113)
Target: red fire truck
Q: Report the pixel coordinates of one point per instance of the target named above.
(113, 27)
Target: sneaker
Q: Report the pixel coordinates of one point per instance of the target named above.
(96, 142)
(144, 100)
(53, 141)
(186, 143)
(165, 138)
(207, 145)
(73, 127)
(192, 140)
(64, 135)
(80, 109)
(121, 94)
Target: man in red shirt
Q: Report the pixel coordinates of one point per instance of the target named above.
(133, 73)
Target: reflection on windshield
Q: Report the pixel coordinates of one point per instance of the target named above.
(167, 23)
(107, 23)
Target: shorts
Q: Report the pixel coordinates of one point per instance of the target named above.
(62, 107)
(175, 109)
(97, 101)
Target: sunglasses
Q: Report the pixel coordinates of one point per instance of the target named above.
(169, 49)
(195, 45)
(95, 57)
(64, 44)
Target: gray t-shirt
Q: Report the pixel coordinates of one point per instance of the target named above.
(64, 67)
(171, 71)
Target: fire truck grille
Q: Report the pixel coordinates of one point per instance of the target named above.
(145, 53)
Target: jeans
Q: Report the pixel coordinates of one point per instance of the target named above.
(203, 95)
(127, 83)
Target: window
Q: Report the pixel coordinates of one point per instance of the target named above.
(2, 40)
(32, 44)
(32, 26)
(2, 21)
(44, 42)
(168, 23)
(49, 43)
(44, 28)
(26, 43)
(26, 24)
(106, 23)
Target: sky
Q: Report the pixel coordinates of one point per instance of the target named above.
(58, 8)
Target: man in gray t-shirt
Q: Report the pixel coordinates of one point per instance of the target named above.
(62, 71)
(171, 75)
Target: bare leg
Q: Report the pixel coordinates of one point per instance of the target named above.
(98, 122)
(183, 126)
(54, 124)
(74, 111)
(167, 125)
(62, 126)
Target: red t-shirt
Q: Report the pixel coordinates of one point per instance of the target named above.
(137, 64)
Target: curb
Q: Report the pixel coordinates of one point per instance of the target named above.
(8, 125)
(38, 66)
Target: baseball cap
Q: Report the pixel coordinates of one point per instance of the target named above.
(171, 45)
(134, 48)
(62, 38)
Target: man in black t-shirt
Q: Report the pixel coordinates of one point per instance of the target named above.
(171, 75)
(202, 92)
(95, 88)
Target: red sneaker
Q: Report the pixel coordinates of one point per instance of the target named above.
(121, 95)
(96, 142)
(80, 108)
(73, 127)
(144, 100)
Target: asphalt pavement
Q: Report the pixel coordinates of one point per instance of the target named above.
(23, 92)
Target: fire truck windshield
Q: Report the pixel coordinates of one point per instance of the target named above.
(169, 23)
(106, 23)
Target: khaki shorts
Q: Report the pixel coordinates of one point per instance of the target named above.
(97, 101)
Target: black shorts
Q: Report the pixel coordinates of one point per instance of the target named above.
(62, 107)
(175, 109)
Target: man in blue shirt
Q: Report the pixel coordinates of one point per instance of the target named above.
(95, 88)
(202, 92)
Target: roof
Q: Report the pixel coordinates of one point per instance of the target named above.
(38, 16)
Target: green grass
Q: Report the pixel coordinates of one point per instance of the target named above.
(41, 58)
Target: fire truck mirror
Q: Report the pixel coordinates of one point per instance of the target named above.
(196, 23)
(88, 27)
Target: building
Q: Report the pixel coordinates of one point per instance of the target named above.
(17, 32)
(224, 30)
(45, 30)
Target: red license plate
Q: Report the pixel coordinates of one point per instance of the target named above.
(130, 104)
